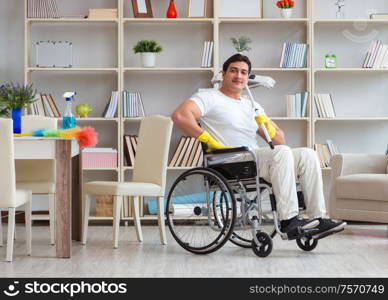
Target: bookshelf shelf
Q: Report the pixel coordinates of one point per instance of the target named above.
(289, 119)
(168, 21)
(137, 119)
(350, 70)
(280, 69)
(349, 21)
(168, 168)
(70, 20)
(101, 169)
(168, 69)
(352, 119)
(174, 84)
(85, 120)
(262, 20)
(112, 70)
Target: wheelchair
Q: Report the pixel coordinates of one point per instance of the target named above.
(223, 200)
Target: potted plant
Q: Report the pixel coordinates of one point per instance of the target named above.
(147, 50)
(15, 98)
(286, 7)
(241, 44)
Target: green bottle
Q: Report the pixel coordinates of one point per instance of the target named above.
(330, 61)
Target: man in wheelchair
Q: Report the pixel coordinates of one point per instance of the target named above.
(228, 120)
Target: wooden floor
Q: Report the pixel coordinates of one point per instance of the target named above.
(359, 251)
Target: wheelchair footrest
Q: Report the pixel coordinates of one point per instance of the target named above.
(327, 234)
(299, 233)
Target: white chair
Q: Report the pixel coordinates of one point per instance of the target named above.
(10, 197)
(149, 178)
(42, 182)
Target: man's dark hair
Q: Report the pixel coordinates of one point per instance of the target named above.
(234, 58)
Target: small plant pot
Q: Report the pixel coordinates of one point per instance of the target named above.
(286, 13)
(148, 59)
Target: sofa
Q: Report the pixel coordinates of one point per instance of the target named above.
(359, 187)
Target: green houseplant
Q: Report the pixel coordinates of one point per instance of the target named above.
(241, 44)
(15, 98)
(148, 50)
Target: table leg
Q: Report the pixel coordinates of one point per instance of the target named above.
(76, 209)
(63, 198)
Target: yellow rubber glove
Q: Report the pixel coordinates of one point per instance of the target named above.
(270, 128)
(211, 143)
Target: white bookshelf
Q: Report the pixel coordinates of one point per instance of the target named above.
(359, 94)
(104, 61)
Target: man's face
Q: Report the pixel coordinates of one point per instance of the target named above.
(236, 76)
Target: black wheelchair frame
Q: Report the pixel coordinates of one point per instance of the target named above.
(235, 219)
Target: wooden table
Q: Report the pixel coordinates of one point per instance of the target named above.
(68, 184)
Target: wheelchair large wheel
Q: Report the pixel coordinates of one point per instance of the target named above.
(201, 210)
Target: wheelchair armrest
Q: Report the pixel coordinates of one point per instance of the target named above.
(229, 150)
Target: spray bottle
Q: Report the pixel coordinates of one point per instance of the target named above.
(68, 117)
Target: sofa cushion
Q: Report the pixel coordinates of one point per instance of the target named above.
(363, 186)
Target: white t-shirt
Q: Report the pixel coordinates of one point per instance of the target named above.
(229, 121)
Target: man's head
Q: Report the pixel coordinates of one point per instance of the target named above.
(235, 72)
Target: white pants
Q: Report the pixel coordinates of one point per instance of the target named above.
(281, 167)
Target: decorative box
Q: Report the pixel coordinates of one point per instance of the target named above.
(54, 54)
(99, 158)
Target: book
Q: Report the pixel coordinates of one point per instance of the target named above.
(210, 55)
(128, 151)
(53, 106)
(187, 152)
(304, 104)
(177, 151)
(205, 45)
(194, 149)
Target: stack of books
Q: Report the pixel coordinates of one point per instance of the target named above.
(44, 9)
(325, 152)
(132, 105)
(297, 105)
(294, 55)
(44, 105)
(207, 54)
(102, 13)
(324, 105)
(130, 144)
(377, 56)
(188, 153)
(111, 106)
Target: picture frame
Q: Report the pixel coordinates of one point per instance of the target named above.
(235, 9)
(197, 9)
(142, 8)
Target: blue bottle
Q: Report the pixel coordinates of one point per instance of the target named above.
(68, 120)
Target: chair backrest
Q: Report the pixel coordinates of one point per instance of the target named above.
(31, 123)
(152, 150)
(7, 165)
(26, 169)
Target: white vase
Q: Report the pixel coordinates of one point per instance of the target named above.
(286, 13)
(148, 59)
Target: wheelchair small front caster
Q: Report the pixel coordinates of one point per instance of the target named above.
(265, 247)
(306, 243)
